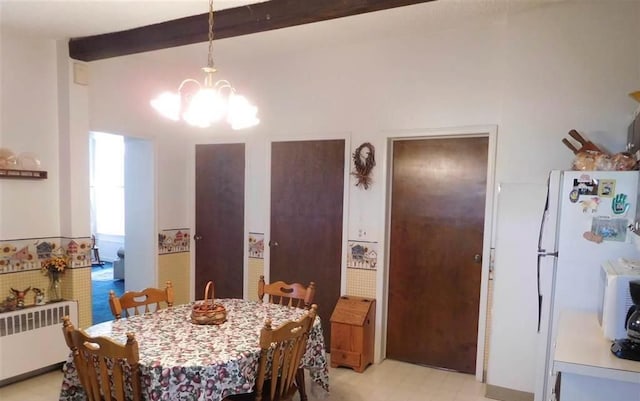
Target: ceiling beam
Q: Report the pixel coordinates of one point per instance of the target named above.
(230, 22)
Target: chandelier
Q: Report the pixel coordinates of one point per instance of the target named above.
(201, 105)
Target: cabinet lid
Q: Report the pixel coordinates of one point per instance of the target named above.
(352, 310)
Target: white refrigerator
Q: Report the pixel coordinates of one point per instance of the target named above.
(585, 223)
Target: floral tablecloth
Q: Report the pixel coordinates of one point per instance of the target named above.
(183, 361)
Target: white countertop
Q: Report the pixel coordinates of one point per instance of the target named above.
(581, 348)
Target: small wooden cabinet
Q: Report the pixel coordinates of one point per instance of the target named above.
(353, 332)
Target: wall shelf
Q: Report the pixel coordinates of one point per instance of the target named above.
(23, 174)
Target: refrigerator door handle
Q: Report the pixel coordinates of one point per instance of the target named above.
(540, 256)
(542, 253)
(544, 214)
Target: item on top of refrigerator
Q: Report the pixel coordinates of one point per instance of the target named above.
(593, 160)
(585, 144)
(588, 156)
(623, 161)
(588, 160)
(604, 162)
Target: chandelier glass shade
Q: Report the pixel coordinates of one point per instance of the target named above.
(204, 104)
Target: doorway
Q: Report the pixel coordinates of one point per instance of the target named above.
(436, 243)
(106, 158)
(122, 199)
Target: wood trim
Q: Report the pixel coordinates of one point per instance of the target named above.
(254, 18)
(507, 394)
(23, 174)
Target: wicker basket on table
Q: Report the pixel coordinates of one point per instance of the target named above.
(207, 311)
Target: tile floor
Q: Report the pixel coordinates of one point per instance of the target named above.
(389, 380)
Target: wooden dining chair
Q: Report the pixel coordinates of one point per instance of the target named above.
(107, 370)
(95, 252)
(282, 293)
(136, 302)
(284, 347)
(294, 294)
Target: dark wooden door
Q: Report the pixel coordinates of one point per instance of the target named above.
(437, 222)
(307, 185)
(220, 170)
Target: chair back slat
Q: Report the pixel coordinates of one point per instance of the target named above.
(103, 374)
(294, 294)
(104, 366)
(119, 385)
(137, 302)
(286, 344)
(275, 370)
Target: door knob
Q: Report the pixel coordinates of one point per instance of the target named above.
(273, 243)
(477, 258)
(197, 237)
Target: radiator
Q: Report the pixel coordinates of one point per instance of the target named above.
(32, 339)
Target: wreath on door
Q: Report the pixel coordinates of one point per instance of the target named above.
(364, 160)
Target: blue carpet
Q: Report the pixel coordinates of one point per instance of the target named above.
(101, 283)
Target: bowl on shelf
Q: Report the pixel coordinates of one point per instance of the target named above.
(28, 161)
(8, 159)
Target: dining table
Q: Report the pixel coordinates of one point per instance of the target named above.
(180, 360)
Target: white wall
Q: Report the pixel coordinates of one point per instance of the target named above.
(140, 215)
(44, 113)
(566, 66)
(29, 208)
(73, 135)
(535, 72)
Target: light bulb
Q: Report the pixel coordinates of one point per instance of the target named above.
(167, 104)
(205, 107)
(241, 113)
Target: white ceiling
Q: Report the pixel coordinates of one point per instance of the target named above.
(59, 19)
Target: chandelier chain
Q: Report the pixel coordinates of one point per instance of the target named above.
(210, 56)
